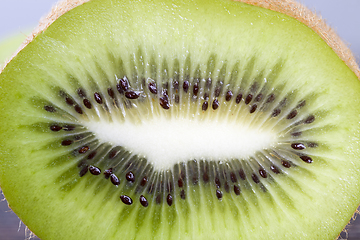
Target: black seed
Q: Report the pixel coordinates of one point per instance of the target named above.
(229, 95)
(215, 104)
(196, 89)
(49, 109)
(217, 182)
(69, 101)
(255, 178)
(312, 145)
(274, 169)
(164, 103)
(310, 119)
(242, 174)
(217, 91)
(78, 109)
(143, 201)
(238, 98)
(292, 114)
(298, 146)
(236, 190)
(68, 128)
(130, 177)
(81, 93)
(296, 134)
(98, 98)
(66, 142)
(152, 88)
(205, 106)
(248, 99)
(263, 173)
(177, 99)
(285, 163)
(301, 104)
(84, 149)
(270, 98)
(124, 84)
(91, 155)
(108, 173)
(111, 92)
(206, 177)
(169, 200)
(114, 179)
(186, 86)
(158, 199)
(143, 181)
(206, 96)
(112, 154)
(176, 84)
(253, 108)
(276, 112)
(180, 183)
(227, 188)
(126, 199)
(84, 170)
(79, 137)
(258, 97)
(306, 159)
(120, 90)
(233, 177)
(94, 170)
(132, 95)
(218, 194)
(182, 194)
(55, 128)
(87, 103)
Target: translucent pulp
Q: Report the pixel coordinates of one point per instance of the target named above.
(165, 142)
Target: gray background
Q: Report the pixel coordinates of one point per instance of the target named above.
(21, 16)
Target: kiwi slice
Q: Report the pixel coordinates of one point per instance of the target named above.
(180, 120)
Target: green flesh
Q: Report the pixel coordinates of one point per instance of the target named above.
(229, 42)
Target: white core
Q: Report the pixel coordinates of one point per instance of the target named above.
(165, 142)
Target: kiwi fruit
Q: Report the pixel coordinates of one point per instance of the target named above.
(182, 119)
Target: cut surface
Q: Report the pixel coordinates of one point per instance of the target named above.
(187, 120)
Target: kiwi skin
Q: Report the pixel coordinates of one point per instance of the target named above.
(288, 14)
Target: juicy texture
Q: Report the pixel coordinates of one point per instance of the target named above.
(94, 44)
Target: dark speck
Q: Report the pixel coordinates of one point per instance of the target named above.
(238, 98)
(87, 103)
(55, 128)
(94, 170)
(255, 178)
(152, 88)
(126, 199)
(186, 86)
(114, 180)
(236, 190)
(98, 98)
(219, 194)
(143, 201)
(248, 99)
(306, 159)
(215, 104)
(229, 95)
(49, 109)
(132, 95)
(169, 199)
(130, 177)
(205, 106)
